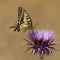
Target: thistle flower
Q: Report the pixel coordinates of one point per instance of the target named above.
(41, 41)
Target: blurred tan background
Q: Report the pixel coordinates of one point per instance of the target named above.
(46, 12)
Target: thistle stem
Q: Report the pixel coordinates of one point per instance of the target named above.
(41, 57)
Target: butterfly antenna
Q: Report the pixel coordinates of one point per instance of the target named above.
(35, 26)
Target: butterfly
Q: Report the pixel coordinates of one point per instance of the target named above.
(24, 21)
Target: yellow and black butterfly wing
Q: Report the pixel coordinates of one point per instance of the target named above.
(16, 26)
(27, 22)
(24, 23)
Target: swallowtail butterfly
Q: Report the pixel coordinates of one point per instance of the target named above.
(24, 21)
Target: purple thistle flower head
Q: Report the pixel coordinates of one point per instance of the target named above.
(41, 35)
(41, 41)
